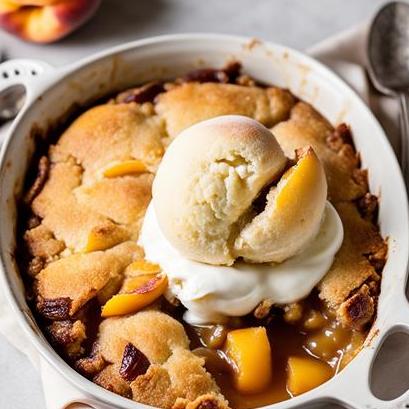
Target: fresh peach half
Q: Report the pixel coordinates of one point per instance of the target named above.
(140, 291)
(45, 21)
(292, 215)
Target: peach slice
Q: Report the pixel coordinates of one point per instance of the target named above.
(250, 352)
(142, 267)
(142, 291)
(292, 216)
(305, 374)
(127, 167)
(133, 283)
(105, 238)
(300, 180)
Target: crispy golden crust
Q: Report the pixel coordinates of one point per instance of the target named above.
(110, 133)
(208, 401)
(188, 375)
(80, 277)
(192, 102)
(176, 386)
(351, 267)
(41, 242)
(79, 241)
(70, 221)
(184, 379)
(145, 331)
(70, 335)
(91, 365)
(307, 127)
(122, 200)
(110, 379)
(76, 201)
(154, 388)
(174, 371)
(358, 309)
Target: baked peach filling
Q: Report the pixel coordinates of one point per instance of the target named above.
(255, 362)
(297, 349)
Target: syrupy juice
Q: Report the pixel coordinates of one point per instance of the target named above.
(305, 329)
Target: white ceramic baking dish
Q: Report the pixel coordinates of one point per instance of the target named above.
(52, 92)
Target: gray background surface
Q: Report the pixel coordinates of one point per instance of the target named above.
(296, 23)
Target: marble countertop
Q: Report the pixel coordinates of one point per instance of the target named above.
(296, 23)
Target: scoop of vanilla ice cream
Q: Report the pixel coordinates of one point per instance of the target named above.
(207, 182)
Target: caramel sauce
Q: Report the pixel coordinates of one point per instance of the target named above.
(304, 329)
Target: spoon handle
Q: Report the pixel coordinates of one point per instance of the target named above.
(404, 149)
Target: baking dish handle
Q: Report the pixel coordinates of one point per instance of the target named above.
(358, 394)
(21, 81)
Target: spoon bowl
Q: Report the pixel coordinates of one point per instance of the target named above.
(388, 48)
(388, 55)
(11, 101)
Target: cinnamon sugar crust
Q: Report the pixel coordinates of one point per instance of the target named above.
(86, 225)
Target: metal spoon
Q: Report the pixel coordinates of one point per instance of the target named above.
(388, 52)
(11, 100)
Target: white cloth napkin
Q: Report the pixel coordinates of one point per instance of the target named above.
(345, 54)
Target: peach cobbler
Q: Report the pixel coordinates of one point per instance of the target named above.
(206, 242)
